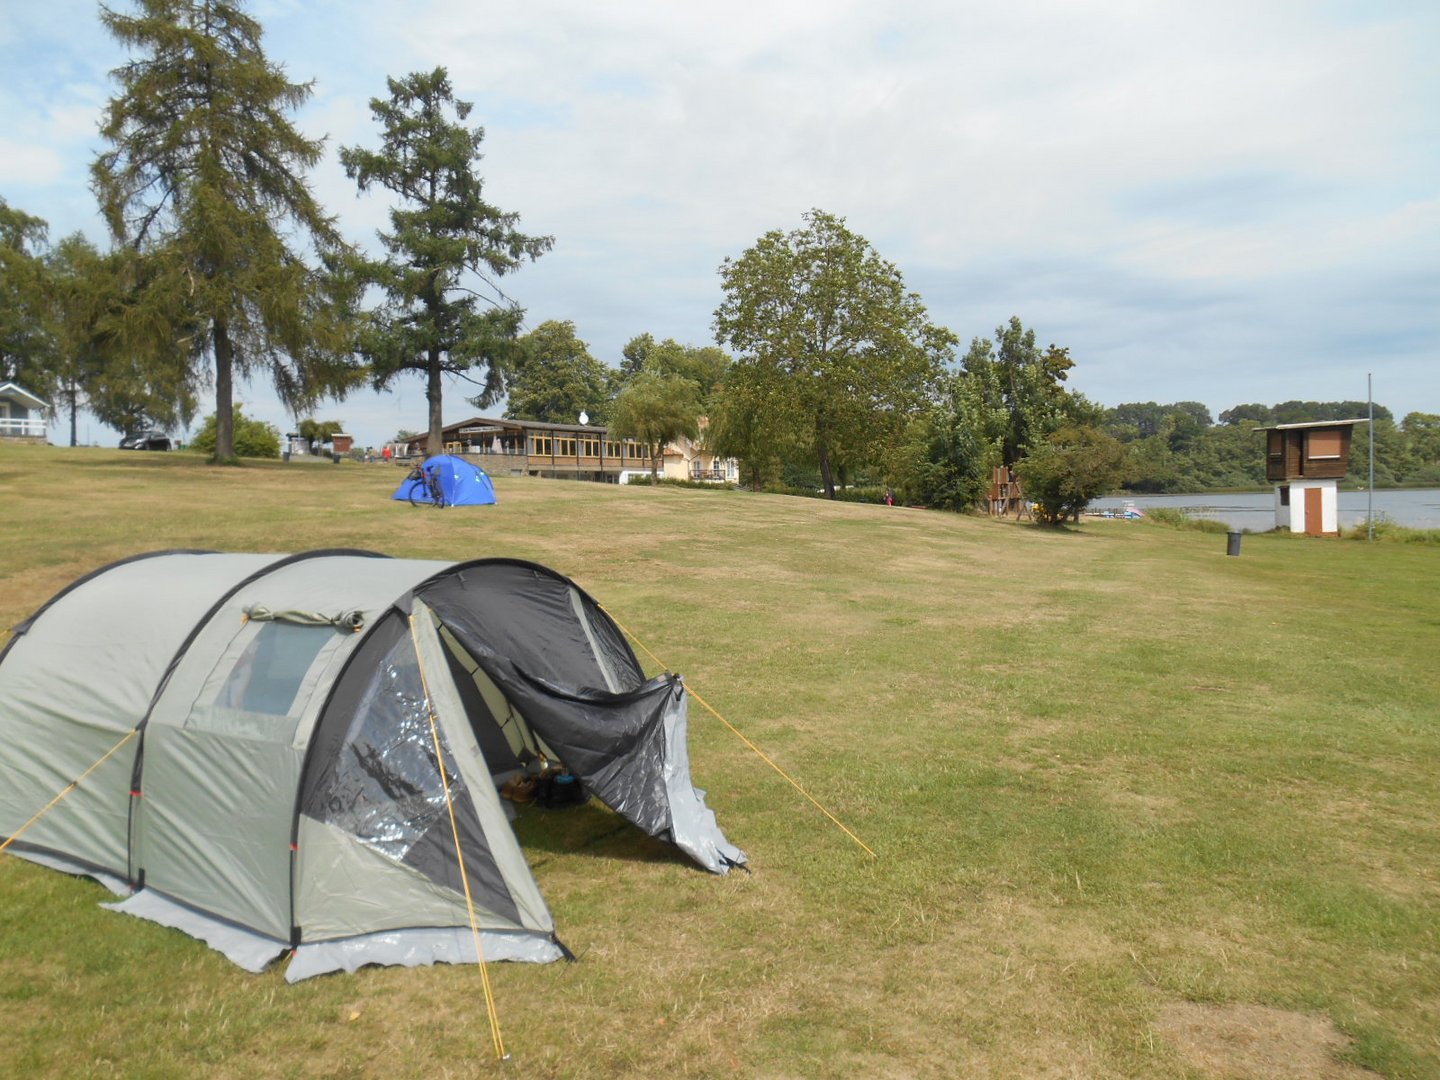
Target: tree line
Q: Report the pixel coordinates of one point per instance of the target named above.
(1181, 448)
(827, 372)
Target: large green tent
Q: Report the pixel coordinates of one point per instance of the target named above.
(261, 740)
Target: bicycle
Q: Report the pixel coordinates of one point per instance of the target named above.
(425, 488)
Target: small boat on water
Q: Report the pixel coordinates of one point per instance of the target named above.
(1127, 511)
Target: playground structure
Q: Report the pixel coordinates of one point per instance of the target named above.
(1006, 498)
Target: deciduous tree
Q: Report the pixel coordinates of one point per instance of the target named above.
(655, 409)
(1068, 469)
(318, 432)
(82, 288)
(554, 378)
(947, 458)
(703, 365)
(1023, 387)
(26, 346)
(827, 341)
(1422, 434)
(1253, 413)
(738, 428)
(136, 382)
(445, 242)
(633, 355)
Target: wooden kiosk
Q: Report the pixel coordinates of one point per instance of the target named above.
(1306, 462)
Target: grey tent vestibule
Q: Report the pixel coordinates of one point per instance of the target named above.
(311, 737)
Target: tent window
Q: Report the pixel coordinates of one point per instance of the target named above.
(268, 675)
(386, 790)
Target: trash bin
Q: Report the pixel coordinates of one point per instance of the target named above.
(335, 458)
(1232, 543)
(285, 456)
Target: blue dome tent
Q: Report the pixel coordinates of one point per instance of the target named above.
(461, 483)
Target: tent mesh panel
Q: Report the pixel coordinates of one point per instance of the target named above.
(383, 785)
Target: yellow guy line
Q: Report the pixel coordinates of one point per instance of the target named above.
(490, 1009)
(758, 752)
(70, 787)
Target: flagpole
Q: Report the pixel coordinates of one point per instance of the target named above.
(1370, 499)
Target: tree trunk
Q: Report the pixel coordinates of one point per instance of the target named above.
(827, 475)
(74, 413)
(655, 451)
(224, 393)
(435, 444)
(822, 451)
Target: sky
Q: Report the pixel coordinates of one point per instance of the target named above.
(1214, 201)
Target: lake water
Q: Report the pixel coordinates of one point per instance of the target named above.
(1417, 508)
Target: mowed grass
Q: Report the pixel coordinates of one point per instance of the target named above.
(1105, 772)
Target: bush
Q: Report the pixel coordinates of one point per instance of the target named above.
(253, 438)
(671, 481)
(779, 487)
(865, 494)
(1065, 472)
(1391, 533)
(1425, 476)
(1172, 517)
(1210, 525)
(860, 494)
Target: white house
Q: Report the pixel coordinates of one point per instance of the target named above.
(22, 414)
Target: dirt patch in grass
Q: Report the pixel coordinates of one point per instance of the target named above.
(1226, 1041)
(1143, 807)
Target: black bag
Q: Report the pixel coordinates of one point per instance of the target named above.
(557, 790)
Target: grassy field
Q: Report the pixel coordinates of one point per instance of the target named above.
(1139, 809)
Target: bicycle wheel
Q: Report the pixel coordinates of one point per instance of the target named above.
(417, 492)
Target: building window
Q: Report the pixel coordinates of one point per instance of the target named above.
(1323, 444)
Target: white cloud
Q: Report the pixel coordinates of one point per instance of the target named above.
(29, 165)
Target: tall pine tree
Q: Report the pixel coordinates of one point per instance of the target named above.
(444, 239)
(205, 179)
